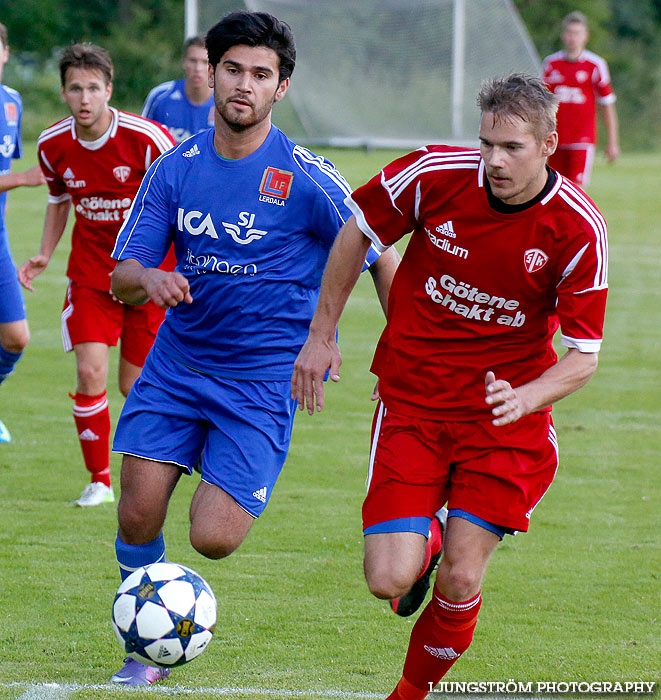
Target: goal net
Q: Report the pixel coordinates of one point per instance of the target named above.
(389, 73)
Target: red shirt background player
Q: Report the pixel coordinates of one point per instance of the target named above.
(503, 251)
(581, 81)
(95, 159)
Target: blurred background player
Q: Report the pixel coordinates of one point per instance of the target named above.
(253, 217)
(14, 331)
(581, 81)
(466, 365)
(95, 159)
(184, 106)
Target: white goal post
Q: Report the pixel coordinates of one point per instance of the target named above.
(387, 73)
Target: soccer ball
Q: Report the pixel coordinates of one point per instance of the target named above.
(164, 614)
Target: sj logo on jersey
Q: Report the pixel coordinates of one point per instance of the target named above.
(11, 113)
(276, 185)
(534, 259)
(122, 172)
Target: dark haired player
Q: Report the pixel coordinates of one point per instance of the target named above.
(253, 217)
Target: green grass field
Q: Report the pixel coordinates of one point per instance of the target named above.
(577, 599)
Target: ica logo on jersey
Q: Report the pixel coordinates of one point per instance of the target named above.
(197, 223)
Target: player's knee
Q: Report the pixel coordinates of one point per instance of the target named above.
(17, 340)
(213, 546)
(90, 375)
(387, 583)
(459, 582)
(137, 523)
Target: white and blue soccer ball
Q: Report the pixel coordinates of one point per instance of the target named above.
(164, 614)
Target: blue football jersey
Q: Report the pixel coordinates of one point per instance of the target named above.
(252, 237)
(167, 104)
(11, 111)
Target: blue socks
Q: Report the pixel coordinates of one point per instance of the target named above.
(8, 361)
(132, 556)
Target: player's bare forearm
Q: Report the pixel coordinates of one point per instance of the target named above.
(55, 222)
(569, 374)
(28, 178)
(135, 284)
(609, 114)
(382, 271)
(320, 352)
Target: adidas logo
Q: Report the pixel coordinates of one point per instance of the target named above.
(195, 151)
(163, 652)
(446, 230)
(447, 653)
(68, 174)
(260, 495)
(88, 434)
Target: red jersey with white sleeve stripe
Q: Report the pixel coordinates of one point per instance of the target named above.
(101, 178)
(579, 85)
(478, 289)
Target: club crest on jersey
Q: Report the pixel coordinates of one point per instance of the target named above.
(275, 186)
(11, 113)
(122, 172)
(534, 259)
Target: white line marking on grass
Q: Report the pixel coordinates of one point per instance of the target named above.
(56, 691)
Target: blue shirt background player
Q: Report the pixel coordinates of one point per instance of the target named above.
(14, 331)
(253, 217)
(185, 106)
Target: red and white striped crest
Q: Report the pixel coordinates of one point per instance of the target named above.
(121, 172)
(534, 259)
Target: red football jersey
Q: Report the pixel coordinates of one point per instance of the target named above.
(477, 289)
(580, 85)
(101, 178)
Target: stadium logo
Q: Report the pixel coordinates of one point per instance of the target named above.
(70, 179)
(122, 172)
(246, 220)
(534, 259)
(275, 186)
(11, 113)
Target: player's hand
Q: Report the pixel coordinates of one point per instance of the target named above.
(375, 394)
(30, 269)
(508, 404)
(307, 382)
(612, 152)
(33, 177)
(166, 289)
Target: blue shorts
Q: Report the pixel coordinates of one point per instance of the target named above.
(241, 429)
(12, 304)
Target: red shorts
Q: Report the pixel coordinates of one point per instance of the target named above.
(92, 316)
(574, 161)
(498, 474)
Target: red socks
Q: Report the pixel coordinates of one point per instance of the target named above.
(440, 636)
(434, 544)
(93, 424)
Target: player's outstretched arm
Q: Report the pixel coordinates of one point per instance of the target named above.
(28, 178)
(569, 374)
(54, 224)
(320, 352)
(134, 284)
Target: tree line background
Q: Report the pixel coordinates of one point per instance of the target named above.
(144, 38)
